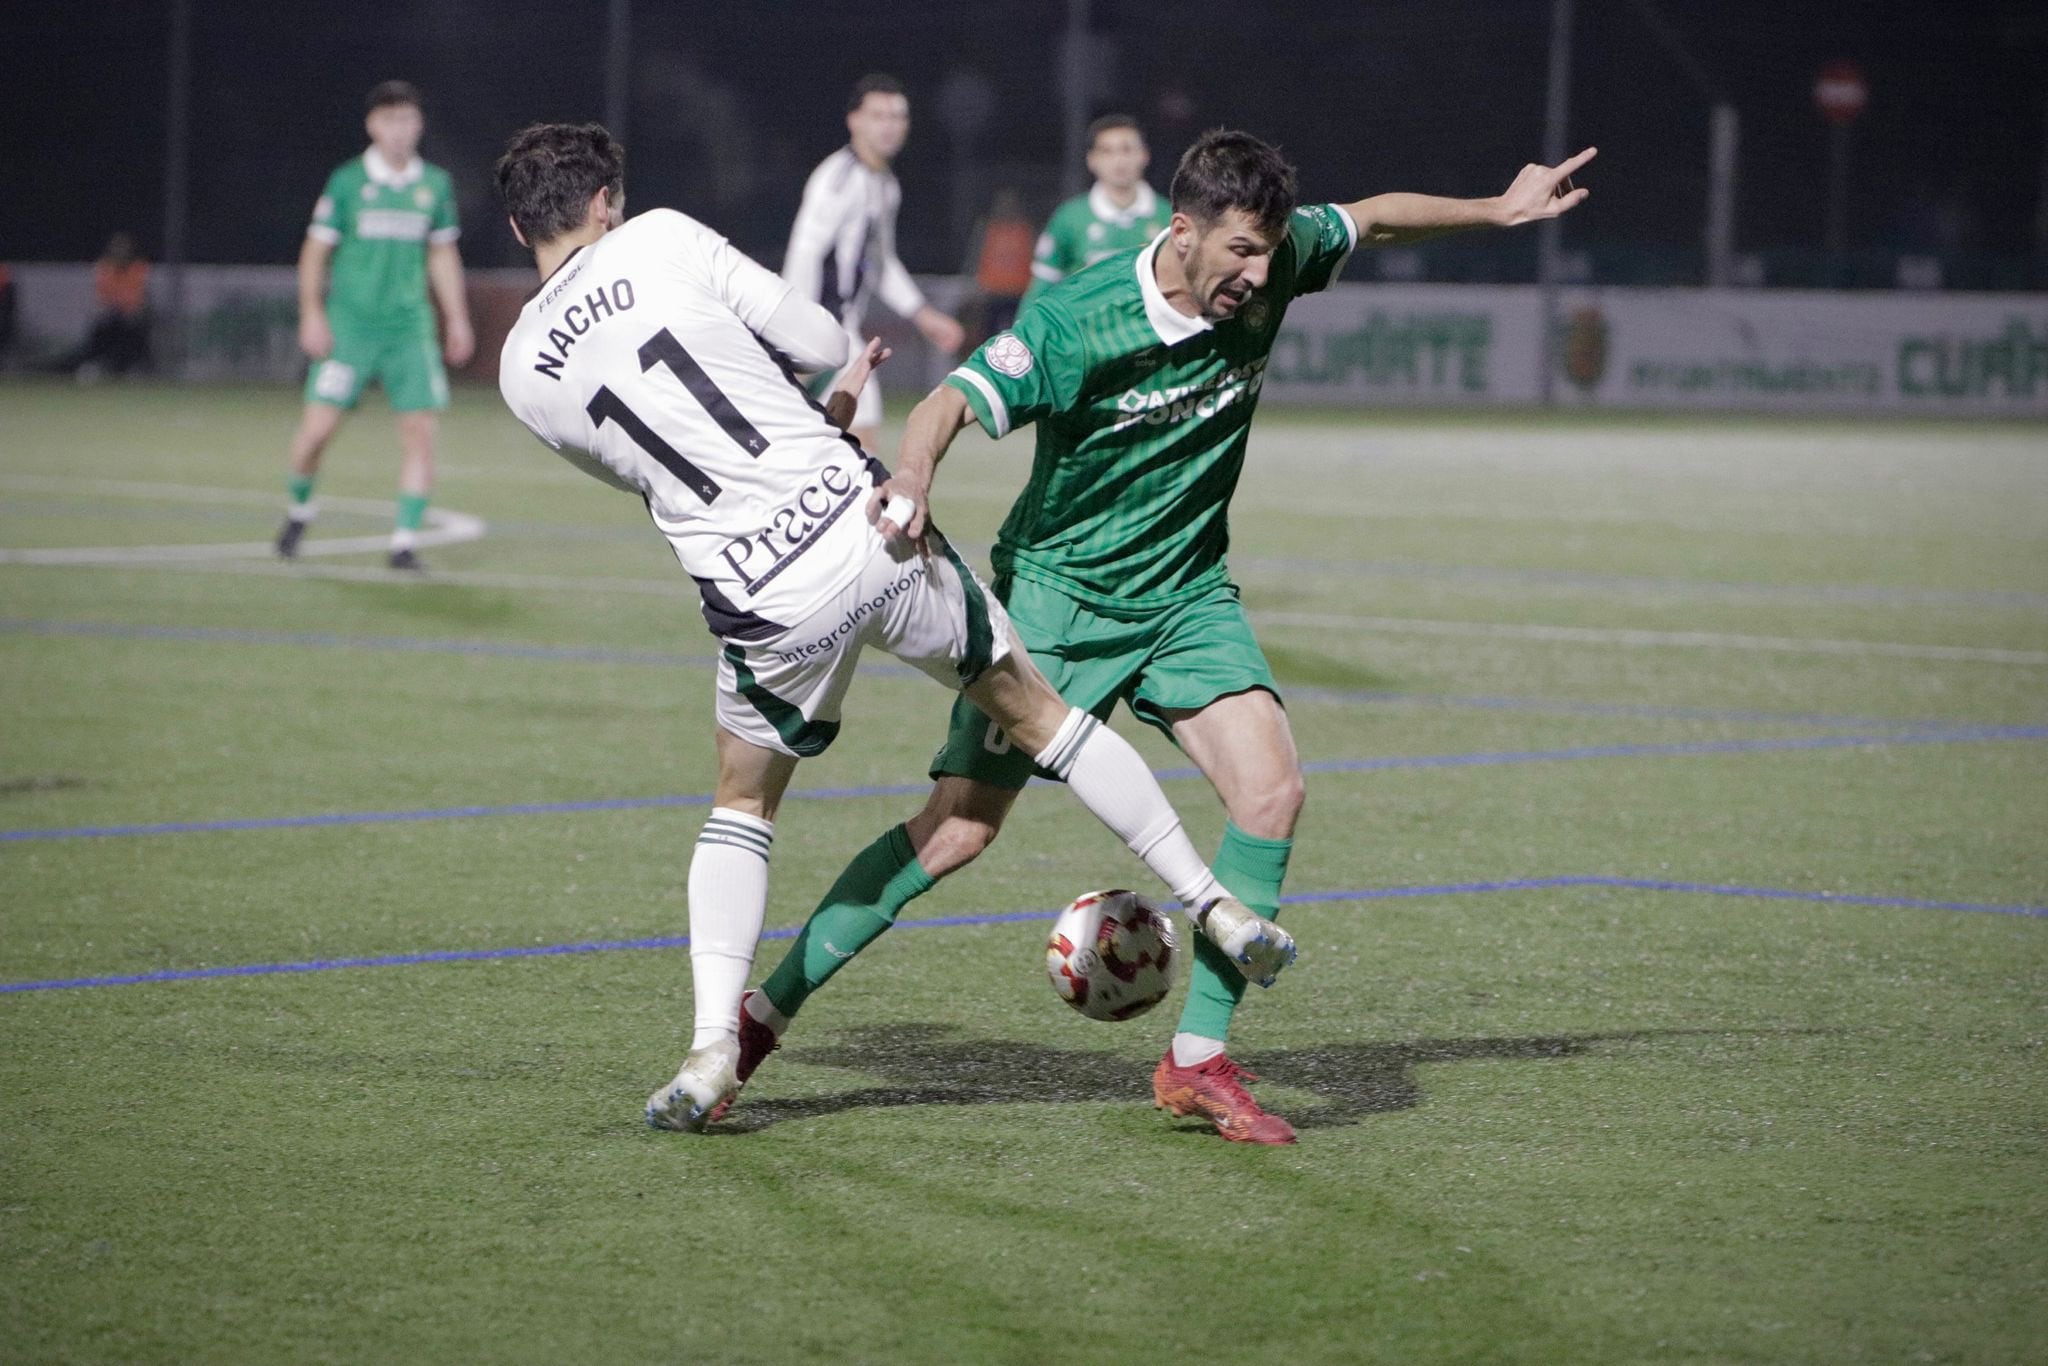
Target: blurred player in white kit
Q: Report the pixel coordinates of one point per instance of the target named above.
(842, 247)
(661, 360)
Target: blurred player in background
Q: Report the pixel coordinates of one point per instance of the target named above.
(1142, 375)
(1121, 212)
(660, 359)
(386, 223)
(842, 248)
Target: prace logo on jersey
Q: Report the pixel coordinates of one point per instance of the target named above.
(791, 530)
(603, 302)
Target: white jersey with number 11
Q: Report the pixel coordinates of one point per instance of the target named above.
(641, 361)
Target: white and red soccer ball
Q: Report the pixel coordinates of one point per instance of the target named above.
(1112, 955)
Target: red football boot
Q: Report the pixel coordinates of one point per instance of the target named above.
(1215, 1091)
(757, 1041)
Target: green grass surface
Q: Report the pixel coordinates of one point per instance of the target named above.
(1566, 1123)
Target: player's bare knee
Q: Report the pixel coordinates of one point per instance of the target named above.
(1271, 810)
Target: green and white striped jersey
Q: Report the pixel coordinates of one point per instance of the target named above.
(1088, 228)
(379, 221)
(1143, 414)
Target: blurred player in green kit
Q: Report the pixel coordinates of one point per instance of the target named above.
(1120, 212)
(383, 235)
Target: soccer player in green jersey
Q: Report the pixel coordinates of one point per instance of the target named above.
(386, 222)
(1142, 376)
(1120, 213)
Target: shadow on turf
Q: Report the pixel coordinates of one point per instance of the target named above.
(930, 1065)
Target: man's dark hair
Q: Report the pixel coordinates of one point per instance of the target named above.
(394, 92)
(875, 83)
(1226, 170)
(550, 171)
(1109, 123)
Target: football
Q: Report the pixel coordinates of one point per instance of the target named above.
(1112, 955)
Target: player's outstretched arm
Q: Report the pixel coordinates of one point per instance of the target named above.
(933, 424)
(1538, 192)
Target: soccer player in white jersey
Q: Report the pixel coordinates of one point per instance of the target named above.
(842, 247)
(660, 359)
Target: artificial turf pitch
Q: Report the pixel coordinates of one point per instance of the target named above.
(1674, 975)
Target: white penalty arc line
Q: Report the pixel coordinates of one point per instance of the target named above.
(1624, 636)
(444, 526)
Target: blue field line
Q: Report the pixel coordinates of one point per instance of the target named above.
(1877, 739)
(1647, 711)
(598, 654)
(1526, 884)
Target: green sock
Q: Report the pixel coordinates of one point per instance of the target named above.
(1252, 869)
(301, 489)
(882, 879)
(412, 510)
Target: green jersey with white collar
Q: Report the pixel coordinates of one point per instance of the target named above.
(379, 220)
(1143, 414)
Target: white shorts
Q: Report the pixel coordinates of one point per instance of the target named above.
(784, 693)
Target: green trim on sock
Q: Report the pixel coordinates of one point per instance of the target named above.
(412, 510)
(300, 486)
(882, 879)
(1251, 869)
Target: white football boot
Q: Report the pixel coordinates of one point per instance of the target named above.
(1253, 942)
(708, 1076)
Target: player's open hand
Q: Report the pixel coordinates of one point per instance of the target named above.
(316, 338)
(942, 331)
(1541, 192)
(854, 377)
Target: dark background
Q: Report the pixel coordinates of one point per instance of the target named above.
(732, 105)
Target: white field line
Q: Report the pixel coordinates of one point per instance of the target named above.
(271, 567)
(462, 527)
(1629, 637)
(445, 526)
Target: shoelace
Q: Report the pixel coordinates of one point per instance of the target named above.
(1231, 1077)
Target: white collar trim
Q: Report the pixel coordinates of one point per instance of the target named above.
(1172, 325)
(1141, 207)
(381, 172)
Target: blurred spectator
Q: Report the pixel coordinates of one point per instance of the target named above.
(1002, 270)
(119, 340)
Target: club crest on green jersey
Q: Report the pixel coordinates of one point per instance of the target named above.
(1008, 355)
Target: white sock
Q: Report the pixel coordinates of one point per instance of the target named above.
(1192, 1050)
(728, 903)
(762, 1011)
(404, 538)
(1112, 781)
(303, 512)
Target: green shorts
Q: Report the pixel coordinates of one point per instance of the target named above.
(407, 364)
(1177, 659)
